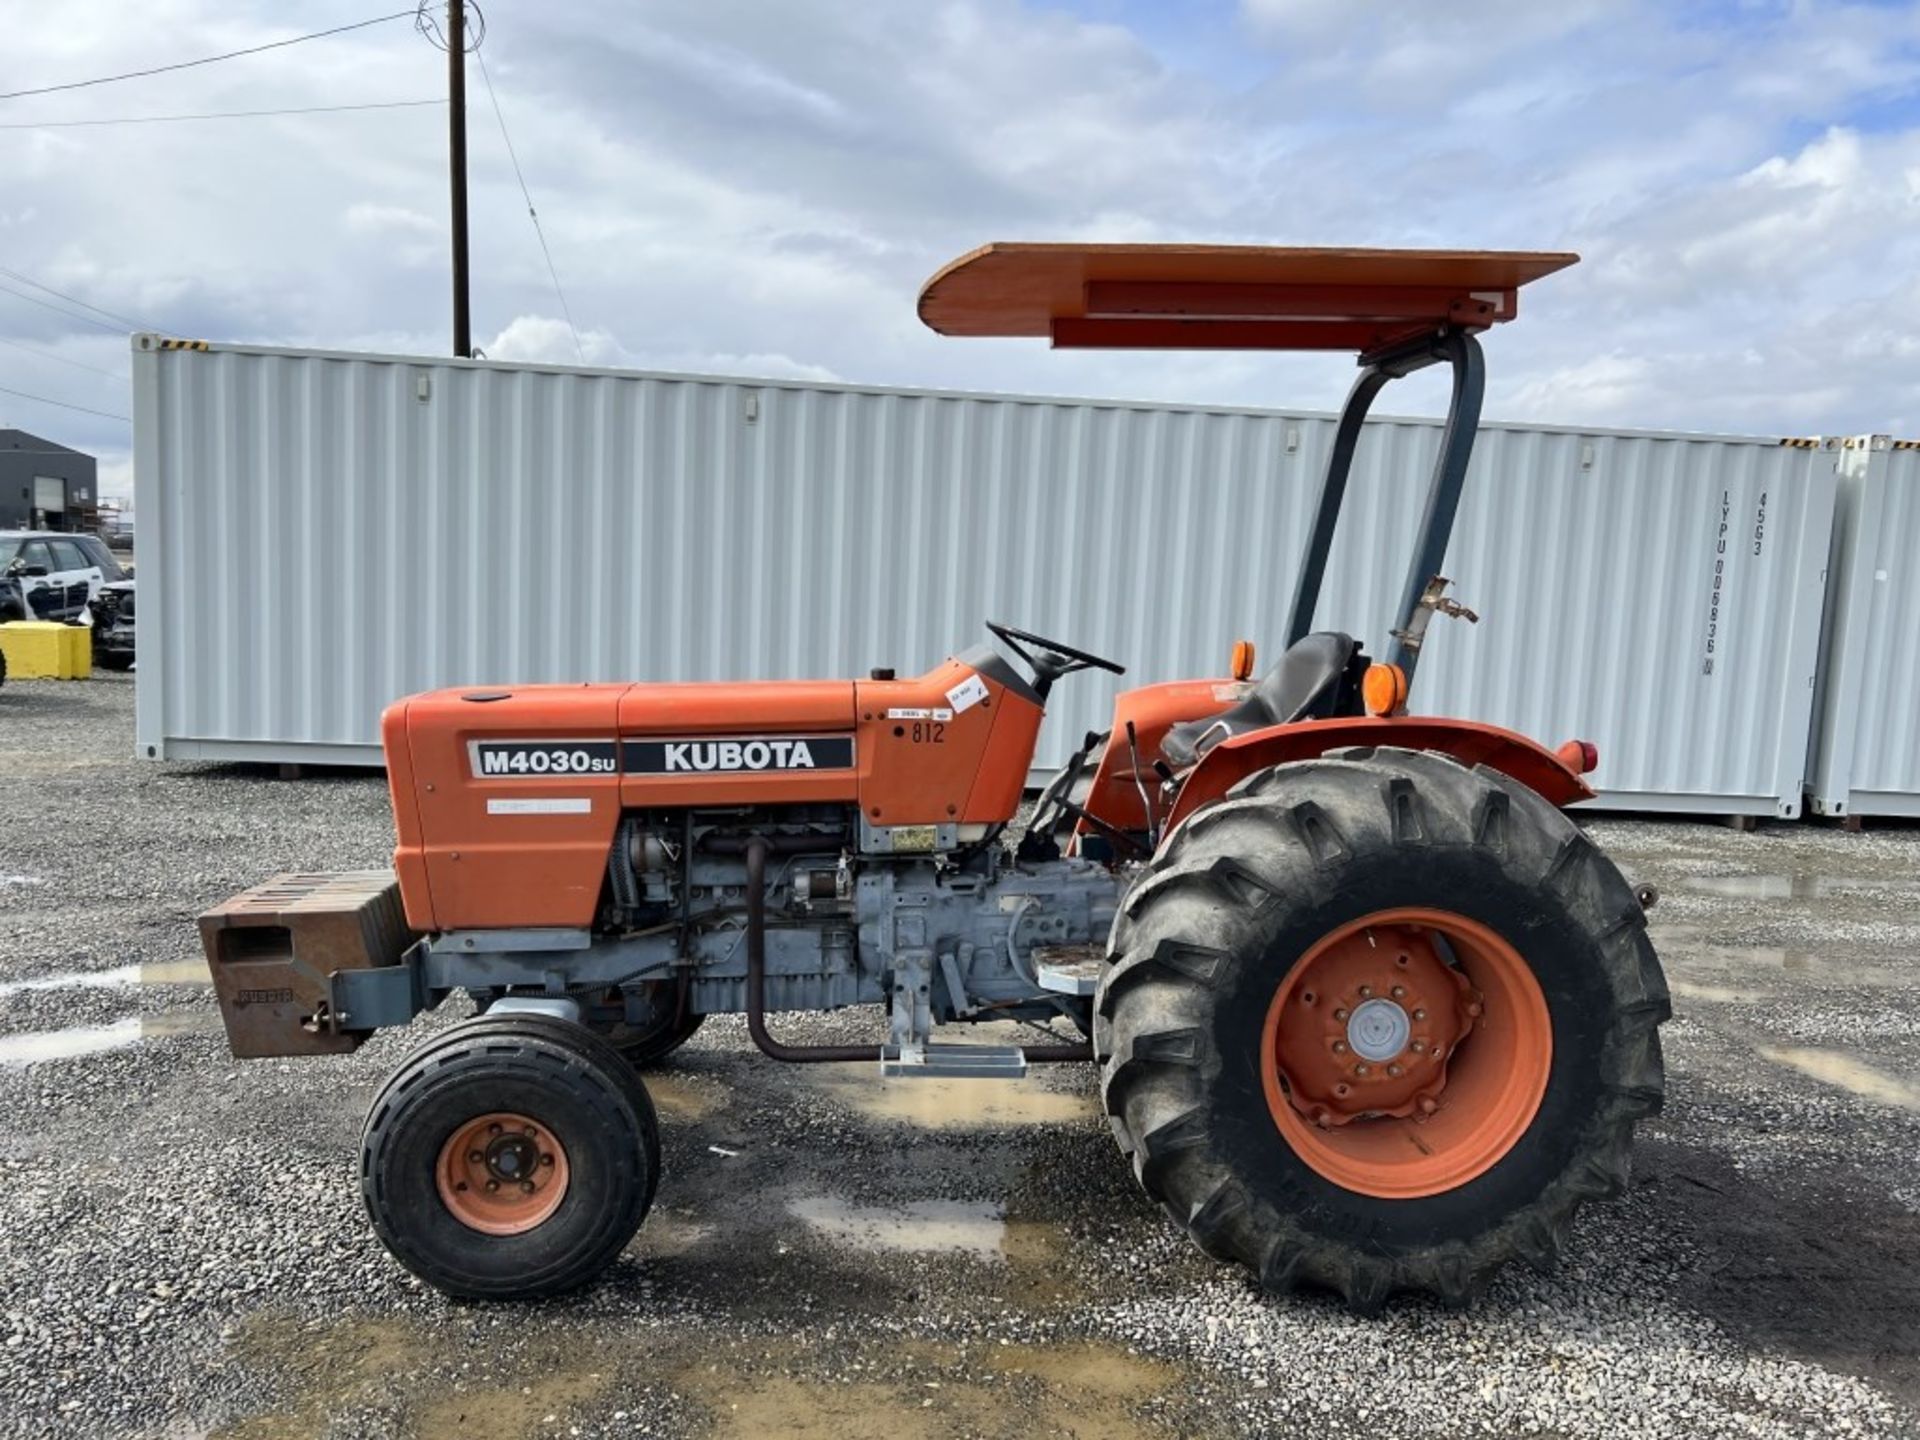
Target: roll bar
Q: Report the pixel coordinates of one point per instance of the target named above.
(1462, 353)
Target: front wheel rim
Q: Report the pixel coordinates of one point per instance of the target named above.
(1432, 1071)
(502, 1173)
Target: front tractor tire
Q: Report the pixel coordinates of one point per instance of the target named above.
(1377, 1022)
(509, 1158)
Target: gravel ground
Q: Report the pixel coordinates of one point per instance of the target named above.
(183, 1251)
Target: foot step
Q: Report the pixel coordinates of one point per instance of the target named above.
(954, 1062)
(1069, 969)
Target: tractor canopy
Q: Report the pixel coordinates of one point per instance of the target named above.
(1228, 297)
(1398, 310)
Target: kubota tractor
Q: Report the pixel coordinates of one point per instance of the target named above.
(1371, 1012)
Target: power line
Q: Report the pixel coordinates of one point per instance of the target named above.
(208, 60)
(119, 320)
(214, 115)
(66, 314)
(532, 214)
(63, 360)
(84, 410)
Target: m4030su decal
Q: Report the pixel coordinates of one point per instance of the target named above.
(541, 759)
(739, 753)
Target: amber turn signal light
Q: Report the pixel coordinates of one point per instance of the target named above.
(1580, 756)
(1384, 689)
(1243, 659)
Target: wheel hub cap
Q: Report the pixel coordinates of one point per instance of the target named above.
(1379, 1030)
(1406, 1052)
(502, 1173)
(1370, 1023)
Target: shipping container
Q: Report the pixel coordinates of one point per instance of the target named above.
(325, 532)
(1867, 750)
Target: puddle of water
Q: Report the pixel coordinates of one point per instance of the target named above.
(680, 1099)
(962, 1104)
(190, 971)
(667, 1234)
(76, 980)
(509, 1410)
(180, 1022)
(324, 1364)
(32, 1048)
(36, 1046)
(1794, 887)
(1834, 1068)
(966, 1227)
(1025, 1390)
(1706, 963)
(1717, 994)
(166, 972)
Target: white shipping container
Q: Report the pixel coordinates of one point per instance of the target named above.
(1867, 752)
(325, 532)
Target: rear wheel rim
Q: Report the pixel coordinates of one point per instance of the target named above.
(1430, 1073)
(502, 1173)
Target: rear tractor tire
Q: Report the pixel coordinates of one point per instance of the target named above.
(509, 1158)
(1378, 1023)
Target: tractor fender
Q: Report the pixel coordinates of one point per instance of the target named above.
(1467, 741)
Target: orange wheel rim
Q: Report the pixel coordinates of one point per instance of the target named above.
(502, 1173)
(1395, 1074)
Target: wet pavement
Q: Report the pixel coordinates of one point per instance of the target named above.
(183, 1252)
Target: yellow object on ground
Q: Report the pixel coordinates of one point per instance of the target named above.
(42, 650)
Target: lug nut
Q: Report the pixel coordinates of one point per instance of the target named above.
(531, 1131)
(492, 1185)
(474, 1157)
(1419, 1014)
(1339, 1047)
(1340, 1014)
(1398, 991)
(527, 1186)
(1418, 1046)
(494, 1129)
(1365, 990)
(1394, 1071)
(1363, 1068)
(546, 1159)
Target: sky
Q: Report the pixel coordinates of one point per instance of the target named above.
(760, 187)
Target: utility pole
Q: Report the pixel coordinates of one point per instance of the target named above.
(457, 168)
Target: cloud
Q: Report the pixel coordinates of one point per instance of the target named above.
(730, 186)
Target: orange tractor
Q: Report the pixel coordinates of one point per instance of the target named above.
(1371, 1012)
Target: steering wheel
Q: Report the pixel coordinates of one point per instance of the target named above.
(1054, 659)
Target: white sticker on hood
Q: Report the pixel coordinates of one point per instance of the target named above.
(967, 694)
(559, 806)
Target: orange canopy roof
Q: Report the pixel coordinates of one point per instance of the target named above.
(1236, 297)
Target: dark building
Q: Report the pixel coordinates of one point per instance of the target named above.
(44, 485)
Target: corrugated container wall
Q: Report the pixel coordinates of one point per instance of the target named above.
(324, 533)
(1867, 754)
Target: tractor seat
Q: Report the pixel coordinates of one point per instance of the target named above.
(1305, 682)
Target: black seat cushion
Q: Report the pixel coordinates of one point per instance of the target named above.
(1305, 682)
